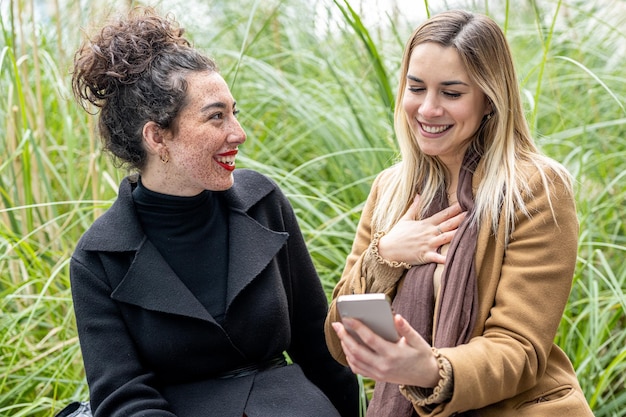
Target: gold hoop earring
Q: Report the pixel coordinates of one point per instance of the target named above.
(164, 155)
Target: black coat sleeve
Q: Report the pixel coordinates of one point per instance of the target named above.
(119, 384)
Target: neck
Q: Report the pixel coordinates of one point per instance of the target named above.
(453, 184)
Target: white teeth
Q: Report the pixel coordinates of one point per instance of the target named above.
(434, 129)
(226, 160)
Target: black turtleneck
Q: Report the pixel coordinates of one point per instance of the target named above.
(191, 233)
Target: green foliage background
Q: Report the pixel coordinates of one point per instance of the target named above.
(315, 81)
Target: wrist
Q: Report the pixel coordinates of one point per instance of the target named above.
(433, 369)
(374, 249)
(440, 392)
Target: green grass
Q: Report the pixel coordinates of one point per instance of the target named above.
(316, 99)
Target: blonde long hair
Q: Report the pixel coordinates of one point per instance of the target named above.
(503, 140)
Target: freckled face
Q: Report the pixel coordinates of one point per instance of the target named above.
(202, 151)
(443, 107)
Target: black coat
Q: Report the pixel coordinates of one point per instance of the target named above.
(151, 349)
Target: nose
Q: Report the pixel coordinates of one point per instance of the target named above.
(430, 107)
(237, 134)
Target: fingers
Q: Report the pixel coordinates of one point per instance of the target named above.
(356, 334)
(347, 341)
(434, 257)
(437, 241)
(348, 333)
(360, 357)
(448, 220)
(451, 212)
(452, 215)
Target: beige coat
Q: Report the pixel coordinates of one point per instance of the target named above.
(511, 367)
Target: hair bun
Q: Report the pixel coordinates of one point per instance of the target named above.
(122, 51)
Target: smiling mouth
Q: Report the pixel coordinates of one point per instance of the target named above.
(227, 160)
(434, 129)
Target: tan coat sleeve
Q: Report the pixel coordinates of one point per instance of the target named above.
(362, 273)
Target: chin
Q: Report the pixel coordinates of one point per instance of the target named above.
(429, 152)
(222, 185)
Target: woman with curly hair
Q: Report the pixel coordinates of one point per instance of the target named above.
(191, 288)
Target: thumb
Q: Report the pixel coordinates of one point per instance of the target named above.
(411, 213)
(412, 337)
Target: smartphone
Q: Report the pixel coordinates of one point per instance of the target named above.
(373, 310)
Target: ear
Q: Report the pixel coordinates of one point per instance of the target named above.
(153, 137)
(488, 107)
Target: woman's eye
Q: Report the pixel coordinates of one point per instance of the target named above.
(451, 94)
(217, 116)
(416, 89)
(236, 113)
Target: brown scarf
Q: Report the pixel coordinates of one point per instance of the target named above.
(457, 298)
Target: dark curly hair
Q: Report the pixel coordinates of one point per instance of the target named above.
(134, 70)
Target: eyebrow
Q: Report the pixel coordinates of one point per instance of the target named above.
(217, 104)
(446, 83)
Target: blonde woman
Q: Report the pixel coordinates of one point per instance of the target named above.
(473, 235)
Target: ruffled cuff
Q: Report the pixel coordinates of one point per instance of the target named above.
(430, 397)
(382, 273)
(374, 251)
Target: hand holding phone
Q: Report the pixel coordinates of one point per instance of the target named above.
(373, 310)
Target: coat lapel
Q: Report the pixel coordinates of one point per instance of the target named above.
(151, 284)
(251, 249)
